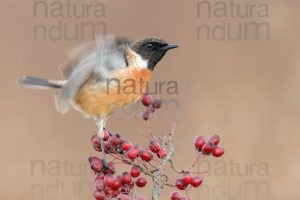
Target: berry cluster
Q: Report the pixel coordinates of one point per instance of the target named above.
(109, 186)
(188, 179)
(205, 148)
(114, 144)
(151, 104)
(148, 161)
(209, 147)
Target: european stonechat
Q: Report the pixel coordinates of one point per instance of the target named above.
(85, 86)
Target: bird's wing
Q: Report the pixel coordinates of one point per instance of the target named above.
(99, 57)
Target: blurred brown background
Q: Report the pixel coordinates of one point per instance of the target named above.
(247, 91)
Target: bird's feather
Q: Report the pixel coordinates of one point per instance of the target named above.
(100, 58)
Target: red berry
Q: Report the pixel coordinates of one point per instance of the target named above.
(146, 155)
(197, 181)
(106, 135)
(180, 185)
(147, 100)
(100, 176)
(114, 140)
(141, 182)
(187, 178)
(109, 180)
(126, 178)
(131, 185)
(218, 152)
(135, 172)
(207, 148)
(99, 195)
(146, 115)
(96, 164)
(176, 196)
(199, 142)
(117, 184)
(132, 154)
(215, 140)
(96, 143)
(154, 146)
(126, 146)
(107, 147)
(162, 153)
(111, 168)
(100, 184)
(157, 103)
(125, 189)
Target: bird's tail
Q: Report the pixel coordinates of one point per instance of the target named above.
(40, 83)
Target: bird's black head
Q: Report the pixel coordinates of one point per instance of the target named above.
(152, 50)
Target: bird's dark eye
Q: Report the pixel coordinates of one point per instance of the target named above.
(149, 46)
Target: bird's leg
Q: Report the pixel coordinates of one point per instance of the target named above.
(100, 125)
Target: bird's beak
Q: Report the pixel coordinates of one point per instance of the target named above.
(170, 46)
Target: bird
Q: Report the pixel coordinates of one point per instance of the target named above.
(96, 78)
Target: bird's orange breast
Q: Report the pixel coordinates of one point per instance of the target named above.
(97, 98)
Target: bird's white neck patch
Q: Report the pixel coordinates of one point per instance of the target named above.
(139, 61)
